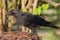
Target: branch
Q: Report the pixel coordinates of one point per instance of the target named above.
(23, 4)
(52, 3)
(35, 3)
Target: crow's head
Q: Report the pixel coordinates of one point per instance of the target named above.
(15, 13)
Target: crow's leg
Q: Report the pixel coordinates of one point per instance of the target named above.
(33, 30)
(19, 28)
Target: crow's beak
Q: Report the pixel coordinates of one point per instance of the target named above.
(9, 13)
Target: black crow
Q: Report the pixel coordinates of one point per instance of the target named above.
(28, 19)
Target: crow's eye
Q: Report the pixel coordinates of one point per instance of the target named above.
(23, 14)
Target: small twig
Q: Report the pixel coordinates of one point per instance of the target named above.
(52, 3)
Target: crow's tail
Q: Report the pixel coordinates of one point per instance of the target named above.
(51, 25)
